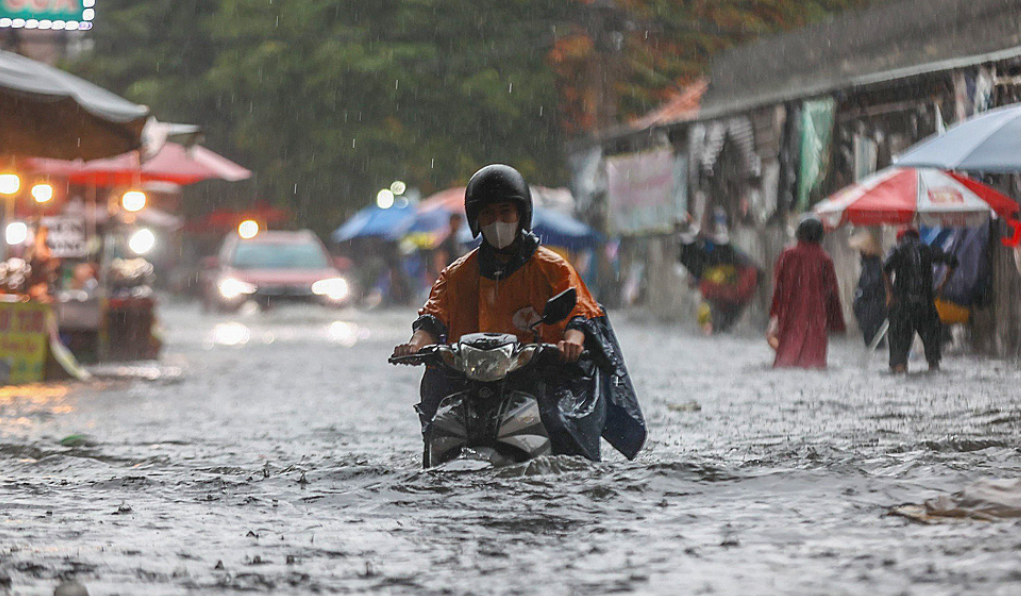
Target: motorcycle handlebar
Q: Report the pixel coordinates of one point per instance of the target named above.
(426, 355)
(551, 354)
(430, 354)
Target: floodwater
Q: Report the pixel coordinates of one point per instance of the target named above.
(278, 453)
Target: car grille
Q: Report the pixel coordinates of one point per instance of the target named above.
(284, 291)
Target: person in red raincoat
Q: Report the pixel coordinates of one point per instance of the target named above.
(806, 301)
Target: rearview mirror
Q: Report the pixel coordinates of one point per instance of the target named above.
(560, 306)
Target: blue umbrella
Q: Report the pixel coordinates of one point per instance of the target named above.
(390, 223)
(552, 228)
(990, 142)
(557, 229)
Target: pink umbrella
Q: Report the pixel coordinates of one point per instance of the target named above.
(451, 199)
(925, 196)
(174, 163)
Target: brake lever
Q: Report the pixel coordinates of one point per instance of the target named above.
(416, 359)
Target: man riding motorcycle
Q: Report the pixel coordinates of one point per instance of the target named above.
(501, 287)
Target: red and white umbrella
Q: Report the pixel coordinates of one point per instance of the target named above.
(925, 196)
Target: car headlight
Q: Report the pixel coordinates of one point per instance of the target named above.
(230, 288)
(487, 365)
(334, 288)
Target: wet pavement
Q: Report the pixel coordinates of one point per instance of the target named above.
(278, 452)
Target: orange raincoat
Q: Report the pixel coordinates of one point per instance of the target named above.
(464, 301)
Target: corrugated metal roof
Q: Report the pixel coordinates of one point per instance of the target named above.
(682, 107)
(890, 41)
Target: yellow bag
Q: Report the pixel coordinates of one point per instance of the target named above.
(951, 313)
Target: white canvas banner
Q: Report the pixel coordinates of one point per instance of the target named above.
(643, 191)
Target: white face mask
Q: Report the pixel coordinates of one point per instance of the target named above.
(500, 234)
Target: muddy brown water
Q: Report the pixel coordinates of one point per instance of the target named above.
(278, 453)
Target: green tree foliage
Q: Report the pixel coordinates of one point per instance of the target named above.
(330, 100)
(157, 52)
(339, 99)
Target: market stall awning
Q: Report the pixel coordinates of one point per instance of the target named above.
(914, 196)
(46, 112)
(173, 163)
(150, 216)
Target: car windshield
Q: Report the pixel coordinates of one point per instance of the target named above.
(255, 255)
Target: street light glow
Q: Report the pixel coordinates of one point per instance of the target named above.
(398, 187)
(142, 241)
(42, 192)
(16, 233)
(248, 229)
(9, 184)
(133, 201)
(385, 198)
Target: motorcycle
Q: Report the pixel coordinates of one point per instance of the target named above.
(493, 416)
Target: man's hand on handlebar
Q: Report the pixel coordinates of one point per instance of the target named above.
(418, 341)
(572, 345)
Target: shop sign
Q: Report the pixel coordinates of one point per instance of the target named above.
(646, 191)
(47, 14)
(23, 341)
(66, 237)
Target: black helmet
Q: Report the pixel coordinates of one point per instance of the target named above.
(492, 184)
(810, 230)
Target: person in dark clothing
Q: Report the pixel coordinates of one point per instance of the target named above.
(451, 248)
(727, 278)
(911, 299)
(870, 295)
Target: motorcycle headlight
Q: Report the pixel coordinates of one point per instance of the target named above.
(487, 365)
(334, 288)
(230, 288)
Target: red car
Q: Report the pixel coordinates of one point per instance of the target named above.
(273, 267)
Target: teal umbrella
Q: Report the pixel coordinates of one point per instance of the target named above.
(989, 142)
